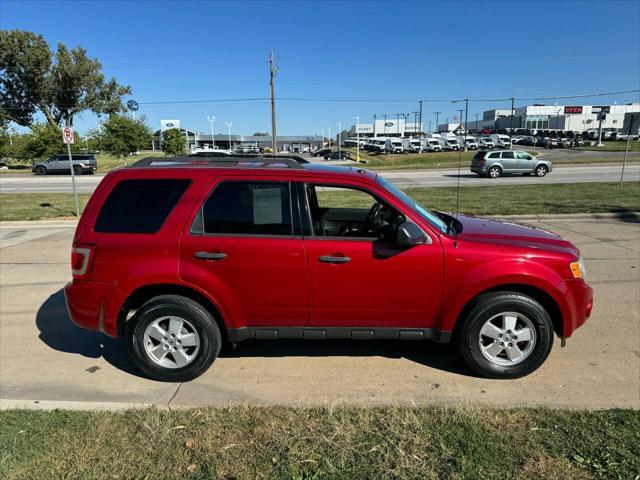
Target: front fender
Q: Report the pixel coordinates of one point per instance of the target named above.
(461, 290)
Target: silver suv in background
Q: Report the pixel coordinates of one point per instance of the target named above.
(495, 163)
(82, 163)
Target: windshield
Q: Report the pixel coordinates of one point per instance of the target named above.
(425, 213)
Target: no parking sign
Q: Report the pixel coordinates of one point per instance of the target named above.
(67, 135)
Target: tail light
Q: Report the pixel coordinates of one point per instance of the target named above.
(81, 259)
(482, 161)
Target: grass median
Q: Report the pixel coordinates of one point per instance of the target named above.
(318, 443)
(495, 200)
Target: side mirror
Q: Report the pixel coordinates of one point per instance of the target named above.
(409, 235)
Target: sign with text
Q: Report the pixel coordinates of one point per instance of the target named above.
(67, 135)
(572, 110)
(601, 109)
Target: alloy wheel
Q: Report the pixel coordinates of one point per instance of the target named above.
(507, 339)
(171, 342)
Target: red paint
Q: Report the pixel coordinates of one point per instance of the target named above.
(280, 281)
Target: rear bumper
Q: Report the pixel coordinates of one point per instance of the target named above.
(580, 303)
(94, 306)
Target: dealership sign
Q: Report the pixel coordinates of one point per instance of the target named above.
(169, 124)
(389, 124)
(572, 110)
(601, 109)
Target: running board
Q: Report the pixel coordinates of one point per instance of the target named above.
(328, 333)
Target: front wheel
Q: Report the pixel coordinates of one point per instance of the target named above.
(173, 339)
(41, 170)
(541, 170)
(506, 335)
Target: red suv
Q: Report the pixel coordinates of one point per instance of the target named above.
(179, 255)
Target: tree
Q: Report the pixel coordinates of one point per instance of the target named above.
(121, 135)
(173, 142)
(260, 134)
(58, 85)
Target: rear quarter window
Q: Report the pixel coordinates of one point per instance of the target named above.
(139, 206)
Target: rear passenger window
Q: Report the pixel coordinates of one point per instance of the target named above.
(494, 155)
(249, 208)
(139, 206)
(507, 155)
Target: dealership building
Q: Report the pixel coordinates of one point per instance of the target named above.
(577, 118)
(381, 127)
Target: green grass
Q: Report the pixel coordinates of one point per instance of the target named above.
(497, 200)
(39, 206)
(517, 199)
(614, 146)
(321, 443)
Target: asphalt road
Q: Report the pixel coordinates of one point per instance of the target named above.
(47, 361)
(10, 183)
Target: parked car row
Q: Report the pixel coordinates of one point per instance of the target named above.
(430, 142)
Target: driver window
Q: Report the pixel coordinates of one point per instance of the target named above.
(349, 212)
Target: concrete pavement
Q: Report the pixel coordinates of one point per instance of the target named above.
(10, 183)
(44, 358)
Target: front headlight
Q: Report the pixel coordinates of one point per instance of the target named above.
(577, 268)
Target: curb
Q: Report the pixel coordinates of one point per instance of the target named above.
(11, 404)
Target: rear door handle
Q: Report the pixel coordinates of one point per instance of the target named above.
(334, 259)
(210, 255)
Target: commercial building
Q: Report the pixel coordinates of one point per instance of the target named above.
(285, 143)
(389, 127)
(576, 118)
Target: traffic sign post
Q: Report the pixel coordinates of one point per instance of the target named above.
(67, 138)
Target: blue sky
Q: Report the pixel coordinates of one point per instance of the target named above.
(392, 51)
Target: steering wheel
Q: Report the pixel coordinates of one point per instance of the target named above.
(371, 217)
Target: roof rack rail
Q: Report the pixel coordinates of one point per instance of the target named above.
(224, 161)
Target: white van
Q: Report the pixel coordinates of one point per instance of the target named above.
(501, 141)
(471, 143)
(430, 144)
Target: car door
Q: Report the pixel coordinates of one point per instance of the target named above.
(241, 250)
(525, 162)
(53, 164)
(509, 161)
(359, 278)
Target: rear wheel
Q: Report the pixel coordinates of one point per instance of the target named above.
(173, 339)
(541, 170)
(506, 335)
(40, 170)
(494, 172)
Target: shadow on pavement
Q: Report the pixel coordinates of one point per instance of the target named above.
(430, 354)
(60, 333)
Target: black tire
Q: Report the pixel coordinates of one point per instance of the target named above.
(494, 172)
(40, 170)
(541, 170)
(77, 170)
(489, 305)
(196, 315)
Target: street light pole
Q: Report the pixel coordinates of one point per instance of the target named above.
(437, 116)
(329, 135)
(212, 119)
(375, 135)
(228, 124)
(339, 140)
(357, 139)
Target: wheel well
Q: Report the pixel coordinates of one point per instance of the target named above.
(143, 294)
(542, 297)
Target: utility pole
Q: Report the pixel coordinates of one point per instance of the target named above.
(339, 141)
(211, 120)
(374, 126)
(273, 71)
(437, 116)
(420, 119)
(512, 114)
(398, 123)
(329, 135)
(385, 124)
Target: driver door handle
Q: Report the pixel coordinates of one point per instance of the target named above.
(210, 255)
(334, 259)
